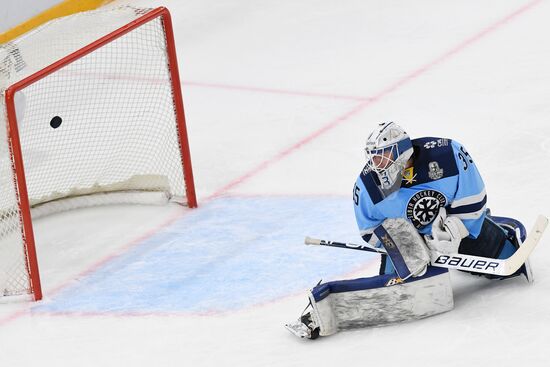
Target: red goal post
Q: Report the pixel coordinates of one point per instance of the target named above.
(119, 126)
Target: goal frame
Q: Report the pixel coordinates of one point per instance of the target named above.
(16, 156)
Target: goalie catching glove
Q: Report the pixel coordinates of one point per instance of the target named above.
(447, 232)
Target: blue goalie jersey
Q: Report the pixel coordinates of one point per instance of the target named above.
(443, 175)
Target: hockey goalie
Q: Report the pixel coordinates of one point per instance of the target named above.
(422, 202)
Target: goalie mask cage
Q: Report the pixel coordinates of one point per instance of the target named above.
(91, 113)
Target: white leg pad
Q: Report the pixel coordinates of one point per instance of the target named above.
(369, 302)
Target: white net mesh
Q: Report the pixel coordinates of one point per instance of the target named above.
(104, 123)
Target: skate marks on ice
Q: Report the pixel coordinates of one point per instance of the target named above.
(230, 254)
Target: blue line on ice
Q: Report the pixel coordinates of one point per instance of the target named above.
(229, 254)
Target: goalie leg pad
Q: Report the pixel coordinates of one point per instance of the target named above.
(380, 300)
(489, 242)
(497, 239)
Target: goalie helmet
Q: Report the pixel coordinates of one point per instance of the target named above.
(387, 151)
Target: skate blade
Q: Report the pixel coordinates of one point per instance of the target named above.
(298, 329)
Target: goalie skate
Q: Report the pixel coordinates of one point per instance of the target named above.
(304, 327)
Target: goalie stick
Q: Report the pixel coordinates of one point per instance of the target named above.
(478, 264)
(363, 247)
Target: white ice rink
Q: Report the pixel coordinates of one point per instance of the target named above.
(279, 98)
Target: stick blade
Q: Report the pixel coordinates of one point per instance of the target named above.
(520, 256)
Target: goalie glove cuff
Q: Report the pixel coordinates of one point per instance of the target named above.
(447, 232)
(455, 228)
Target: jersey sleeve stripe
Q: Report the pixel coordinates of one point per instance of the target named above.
(471, 215)
(470, 208)
(470, 199)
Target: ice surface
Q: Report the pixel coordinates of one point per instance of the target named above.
(279, 98)
(241, 252)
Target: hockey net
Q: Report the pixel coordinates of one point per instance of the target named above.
(91, 114)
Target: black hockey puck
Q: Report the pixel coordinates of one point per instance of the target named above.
(56, 122)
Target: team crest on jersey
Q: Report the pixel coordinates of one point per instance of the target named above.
(434, 172)
(423, 207)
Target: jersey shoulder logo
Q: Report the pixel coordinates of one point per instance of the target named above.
(409, 176)
(438, 142)
(434, 159)
(423, 207)
(430, 144)
(434, 172)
